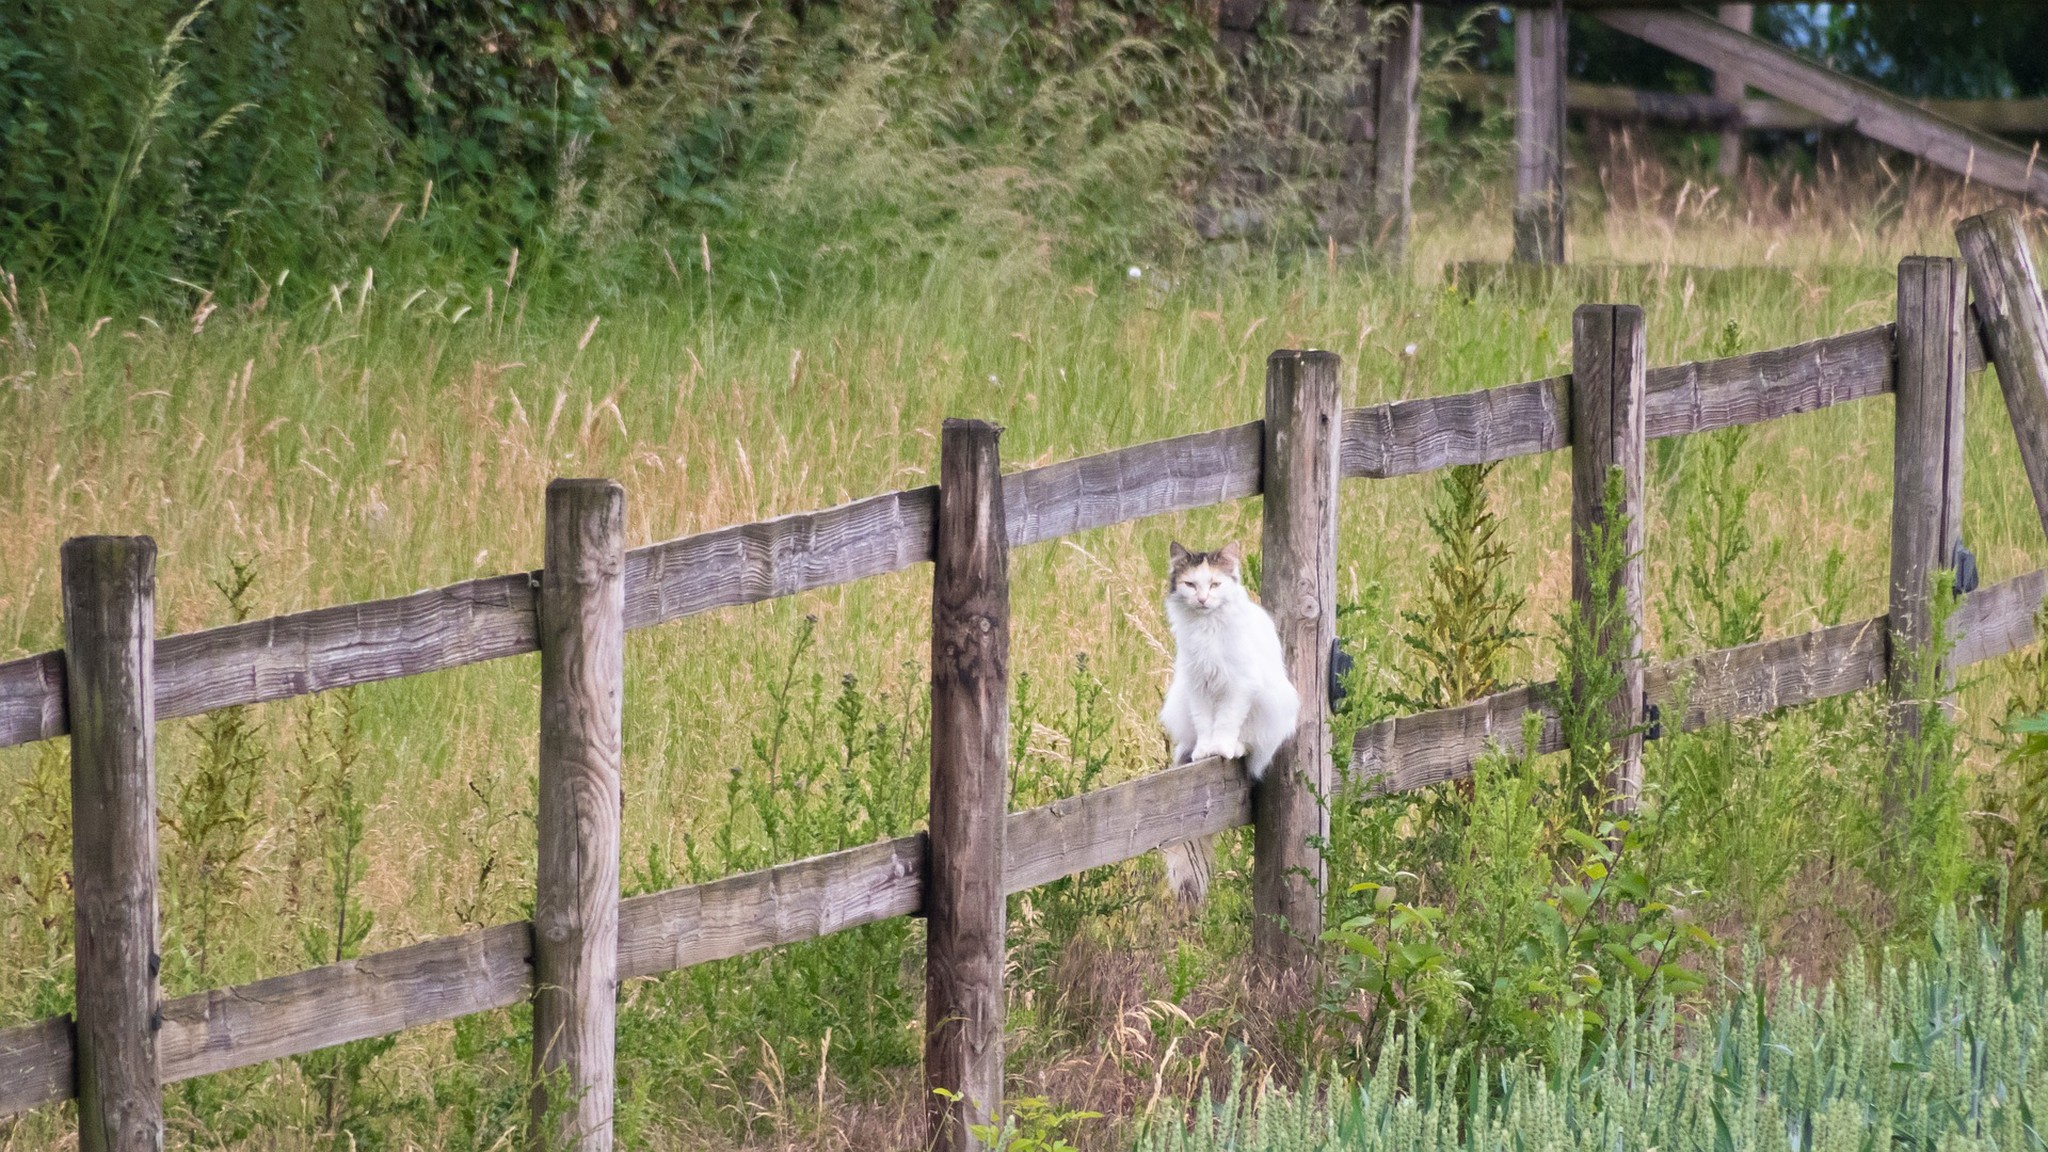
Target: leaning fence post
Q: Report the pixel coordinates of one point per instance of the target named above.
(110, 690)
(576, 905)
(1608, 437)
(2015, 325)
(963, 895)
(1298, 586)
(1927, 469)
(1539, 208)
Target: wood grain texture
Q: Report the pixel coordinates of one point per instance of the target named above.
(1997, 619)
(970, 727)
(1927, 472)
(1124, 821)
(1298, 588)
(109, 591)
(32, 699)
(1411, 436)
(736, 915)
(1403, 753)
(2015, 326)
(576, 902)
(1539, 207)
(1172, 475)
(1839, 99)
(1608, 440)
(1397, 119)
(36, 1064)
(354, 1000)
(749, 563)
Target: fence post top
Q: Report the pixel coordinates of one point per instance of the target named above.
(583, 484)
(86, 549)
(967, 426)
(1303, 355)
(1634, 311)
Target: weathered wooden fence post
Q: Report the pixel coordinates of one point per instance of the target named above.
(1927, 468)
(1397, 119)
(110, 690)
(2015, 326)
(1608, 437)
(1298, 586)
(963, 895)
(1729, 86)
(1539, 133)
(576, 907)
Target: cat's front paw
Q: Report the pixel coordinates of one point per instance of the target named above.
(1227, 749)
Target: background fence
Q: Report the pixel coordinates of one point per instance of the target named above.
(115, 679)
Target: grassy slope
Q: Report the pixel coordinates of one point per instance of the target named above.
(372, 451)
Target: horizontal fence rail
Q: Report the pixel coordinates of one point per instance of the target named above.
(491, 618)
(228, 1028)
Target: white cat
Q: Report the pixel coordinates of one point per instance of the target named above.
(1230, 694)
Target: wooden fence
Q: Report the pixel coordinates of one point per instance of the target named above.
(114, 679)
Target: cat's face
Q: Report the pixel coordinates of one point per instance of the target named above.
(1203, 580)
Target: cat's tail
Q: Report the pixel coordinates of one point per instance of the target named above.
(1187, 868)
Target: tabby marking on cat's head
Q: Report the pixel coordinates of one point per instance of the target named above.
(1203, 580)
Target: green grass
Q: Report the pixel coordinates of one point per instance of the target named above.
(386, 444)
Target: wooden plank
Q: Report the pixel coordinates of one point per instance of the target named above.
(1867, 108)
(1408, 752)
(32, 699)
(749, 563)
(1539, 206)
(1171, 475)
(36, 1064)
(2014, 321)
(1124, 821)
(1927, 474)
(1298, 585)
(1397, 120)
(736, 915)
(354, 1000)
(1761, 678)
(1403, 753)
(1411, 436)
(1997, 619)
(1608, 439)
(970, 727)
(109, 639)
(576, 902)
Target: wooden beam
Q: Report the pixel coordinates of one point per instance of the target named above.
(963, 899)
(1927, 475)
(1397, 117)
(1172, 475)
(1539, 209)
(109, 636)
(1869, 109)
(1730, 87)
(1298, 584)
(1608, 442)
(576, 904)
(2015, 325)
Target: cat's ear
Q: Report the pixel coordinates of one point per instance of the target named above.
(1228, 557)
(1177, 555)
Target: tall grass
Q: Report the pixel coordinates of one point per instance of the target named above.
(1939, 1051)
